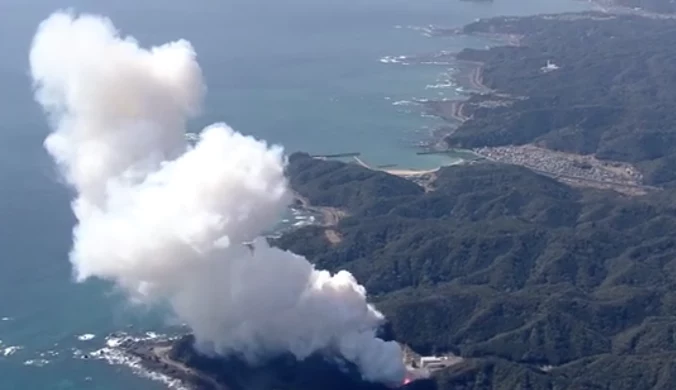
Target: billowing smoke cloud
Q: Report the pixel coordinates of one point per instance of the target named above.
(166, 220)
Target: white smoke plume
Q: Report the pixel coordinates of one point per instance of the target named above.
(166, 221)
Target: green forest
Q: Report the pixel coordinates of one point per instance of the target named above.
(612, 96)
(538, 284)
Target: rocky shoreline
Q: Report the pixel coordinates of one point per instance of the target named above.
(152, 355)
(177, 359)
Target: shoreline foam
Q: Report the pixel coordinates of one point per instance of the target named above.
(115, 355)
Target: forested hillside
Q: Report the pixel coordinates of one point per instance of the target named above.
(512, 270)
(612, 95)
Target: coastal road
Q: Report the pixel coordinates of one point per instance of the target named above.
(476, 79)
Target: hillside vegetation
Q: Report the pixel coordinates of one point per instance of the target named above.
(612, 95)
(512, 270)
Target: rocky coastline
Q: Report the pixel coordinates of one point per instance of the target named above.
(179, 360)
(485, 99)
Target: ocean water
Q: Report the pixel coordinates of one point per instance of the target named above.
(304, 73)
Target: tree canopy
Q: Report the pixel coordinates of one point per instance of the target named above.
(612, 95)
(513, 270)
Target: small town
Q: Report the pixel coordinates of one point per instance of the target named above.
(585, 170)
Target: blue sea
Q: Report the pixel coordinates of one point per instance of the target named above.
(313, 75)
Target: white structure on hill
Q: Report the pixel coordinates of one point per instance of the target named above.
(549, 67)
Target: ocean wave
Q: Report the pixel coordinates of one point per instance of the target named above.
(86, 337)
(428, 31)
(153, 336)
(50, 353)
(11, 350)
(81, 355)
(444, 63)
(36, 362)
(113, 355)
(441, 85)
(410, 60)
(6, 319)
(405, 103)
(401, 60)
(442, 58)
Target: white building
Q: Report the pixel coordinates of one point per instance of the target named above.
(434, 362)
(549, 67)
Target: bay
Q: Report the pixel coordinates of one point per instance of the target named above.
(306, 74)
